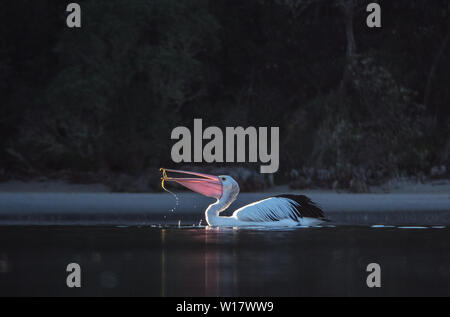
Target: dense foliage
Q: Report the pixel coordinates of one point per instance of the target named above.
(354, 101)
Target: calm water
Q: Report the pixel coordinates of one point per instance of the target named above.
(197, 261)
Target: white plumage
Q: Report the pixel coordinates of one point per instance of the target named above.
(274, 211)
(281, 210)
(269, 209)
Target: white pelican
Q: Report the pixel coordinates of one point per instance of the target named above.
(281, 210)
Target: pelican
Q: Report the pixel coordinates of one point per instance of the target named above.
(280, 210)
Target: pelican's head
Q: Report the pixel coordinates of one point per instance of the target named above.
(221, 187)
(230, 188)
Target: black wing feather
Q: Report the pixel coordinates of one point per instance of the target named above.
(306, 207)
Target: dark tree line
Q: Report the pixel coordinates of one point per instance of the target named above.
(348, 99)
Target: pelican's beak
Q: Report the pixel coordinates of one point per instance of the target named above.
(208, 185)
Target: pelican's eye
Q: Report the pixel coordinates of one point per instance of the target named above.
(224, 179)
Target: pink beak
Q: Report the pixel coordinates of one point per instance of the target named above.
(208, 185)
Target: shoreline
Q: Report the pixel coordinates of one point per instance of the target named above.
(155, 209)
(62, 203)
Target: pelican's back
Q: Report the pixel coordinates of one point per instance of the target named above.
(277, 208)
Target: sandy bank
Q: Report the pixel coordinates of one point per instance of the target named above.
(132, 209)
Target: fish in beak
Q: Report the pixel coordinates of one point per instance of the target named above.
(208, 185)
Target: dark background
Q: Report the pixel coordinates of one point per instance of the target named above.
(352, 103)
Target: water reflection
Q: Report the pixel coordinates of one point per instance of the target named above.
(199, 261)
(4, 263)
(212, 264)
(163, 262)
